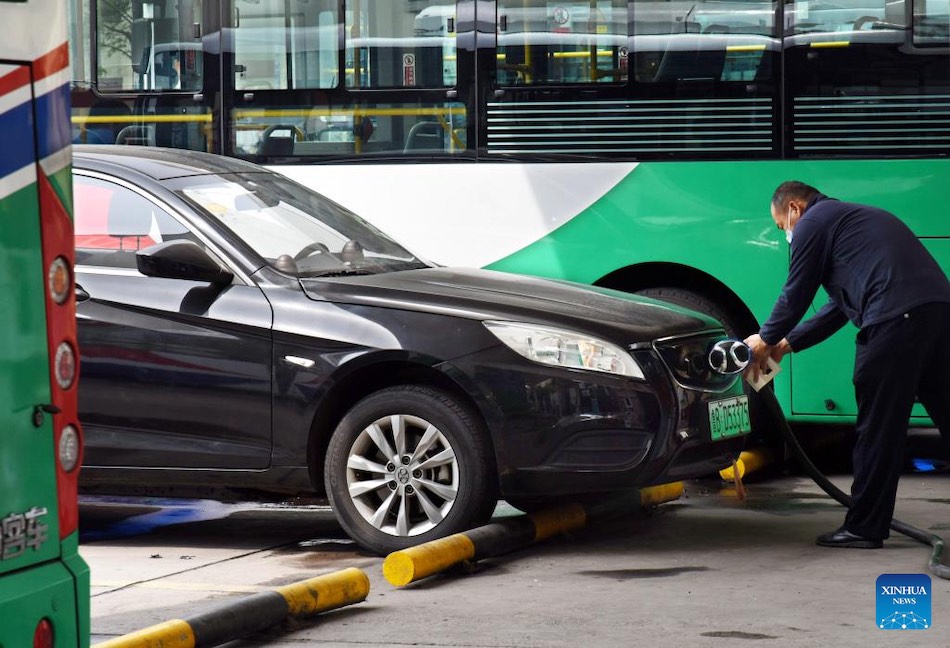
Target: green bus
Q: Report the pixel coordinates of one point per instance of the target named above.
(44, 583)
(626, 143)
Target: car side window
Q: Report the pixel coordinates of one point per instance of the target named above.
(113, 222)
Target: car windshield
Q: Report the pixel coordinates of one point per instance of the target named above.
(295, 230)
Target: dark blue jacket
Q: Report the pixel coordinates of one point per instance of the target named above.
(869, 262)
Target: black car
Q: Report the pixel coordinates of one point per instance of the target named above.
(240, 332)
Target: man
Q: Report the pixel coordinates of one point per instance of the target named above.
(882, 279)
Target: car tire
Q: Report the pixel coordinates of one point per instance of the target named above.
(442, 481)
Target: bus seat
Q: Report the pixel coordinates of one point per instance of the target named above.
(136, 135)
(278, 139)
(691, 65)
(426, 136)
(323, 147)
(104, 133)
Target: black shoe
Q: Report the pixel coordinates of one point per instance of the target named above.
(844, 538)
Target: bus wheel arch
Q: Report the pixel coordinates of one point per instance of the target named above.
(685, 286)
(692, 288)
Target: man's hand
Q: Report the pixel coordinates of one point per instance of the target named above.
(761, 352)
(781, 349)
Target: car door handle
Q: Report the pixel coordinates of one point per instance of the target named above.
(81, 294)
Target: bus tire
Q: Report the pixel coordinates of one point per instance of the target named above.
(697, 302)
(442, 481)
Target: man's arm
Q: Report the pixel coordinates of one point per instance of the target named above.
(818, 328)
(805, 271)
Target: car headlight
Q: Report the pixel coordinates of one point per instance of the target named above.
(565, 348)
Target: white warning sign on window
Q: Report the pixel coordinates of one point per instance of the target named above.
(409, 69)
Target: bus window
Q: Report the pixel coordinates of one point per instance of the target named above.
(402, 50)
(394, 44)
(336, 131)
(149, 45)
(542, 42)
(145, 80)
(80, 60)
(858, 85)
(688, 42)
(932, 23)
(821, 22)
(285, 44)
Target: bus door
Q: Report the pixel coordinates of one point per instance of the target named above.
(323, 79)
(639, 80)
(145, 72)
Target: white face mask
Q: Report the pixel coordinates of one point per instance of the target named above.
(788, 225)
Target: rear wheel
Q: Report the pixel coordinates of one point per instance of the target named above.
(407, 465)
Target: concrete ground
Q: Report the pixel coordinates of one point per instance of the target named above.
(707, 570)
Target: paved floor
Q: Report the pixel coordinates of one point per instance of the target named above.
(707, 570)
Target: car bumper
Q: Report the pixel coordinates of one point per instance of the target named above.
(561, 431)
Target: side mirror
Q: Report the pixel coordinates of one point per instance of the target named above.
(181, 260)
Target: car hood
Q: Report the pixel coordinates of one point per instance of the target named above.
(488, 295)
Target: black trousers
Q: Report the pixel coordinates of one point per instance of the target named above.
(896, 360)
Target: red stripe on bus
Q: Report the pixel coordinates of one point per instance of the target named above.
(14, 80)
(52, 62)
(57, 241)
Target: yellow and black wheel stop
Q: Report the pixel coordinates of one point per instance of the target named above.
(415, 563)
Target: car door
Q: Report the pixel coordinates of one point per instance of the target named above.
(175, 373)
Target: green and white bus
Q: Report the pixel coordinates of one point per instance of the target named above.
(44, 583)
(627, 143)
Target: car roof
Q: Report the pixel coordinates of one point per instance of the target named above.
(159, 163)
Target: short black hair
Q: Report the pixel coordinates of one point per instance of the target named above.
(790, 190)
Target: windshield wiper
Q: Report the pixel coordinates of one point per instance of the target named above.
(345, 272)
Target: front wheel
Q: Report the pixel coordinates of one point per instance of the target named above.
(407, 465)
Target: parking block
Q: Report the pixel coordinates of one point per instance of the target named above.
(254, 613)
(409, 565)
(749, 461)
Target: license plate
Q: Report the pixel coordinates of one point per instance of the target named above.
(729, 417)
